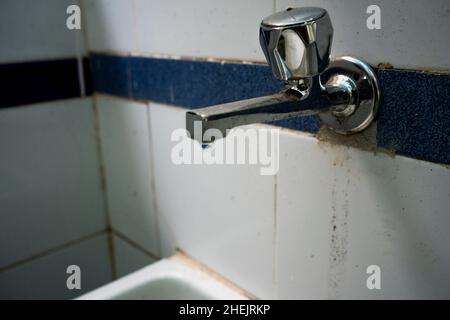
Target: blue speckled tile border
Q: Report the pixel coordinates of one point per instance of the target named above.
(414, 118)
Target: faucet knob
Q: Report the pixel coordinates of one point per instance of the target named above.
(297, 42)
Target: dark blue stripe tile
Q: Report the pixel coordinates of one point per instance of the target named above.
(414, 118)
(111, 74)
(196, 84)
(38, 81)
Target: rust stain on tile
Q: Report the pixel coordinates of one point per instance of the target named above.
(186, 259)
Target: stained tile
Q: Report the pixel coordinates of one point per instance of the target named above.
(340, 210)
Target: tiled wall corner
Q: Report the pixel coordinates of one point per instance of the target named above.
(50, 182)
(221, 215)
(129, 258)
(127, 161)
(46, 277)
(341, 209)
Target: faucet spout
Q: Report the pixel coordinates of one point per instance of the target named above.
(288, 103)
(226, 116)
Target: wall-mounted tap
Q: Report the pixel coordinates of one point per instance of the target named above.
(297, 43)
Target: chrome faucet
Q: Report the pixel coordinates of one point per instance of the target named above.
(344, 93)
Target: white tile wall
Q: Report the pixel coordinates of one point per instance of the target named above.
(128, 258)
(125, 143)
(390, 212)
(110, 25)
(45, 278)
(49, 188)
(220, 215)
(411, 36)
(36, 30)
(202, 28)
(199, 28)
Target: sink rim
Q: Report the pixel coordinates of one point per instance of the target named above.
(177, 268)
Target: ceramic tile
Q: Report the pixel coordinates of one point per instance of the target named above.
(340, 210)
(125, 141)
(410, 36)
(43, 81)
(173, 81)
(36, 30)
(202, 28)
(50, 186)
(222, 215)
(110, 25)
(111, 74)
(128, 258)
(46, 277)
(414, 118)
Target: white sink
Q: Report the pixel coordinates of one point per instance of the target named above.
(173, 278)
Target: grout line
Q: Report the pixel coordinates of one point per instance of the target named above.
(186, 259)
(81, 76)
(146, 102)
(152, 181)
(80, 65)
(125, 98)
(131, 54)
(103, 186)
(80, 37)
(84, 27)
(111, 253)
(136, 35)
(135, 245)
(51, 251)
(275, 240)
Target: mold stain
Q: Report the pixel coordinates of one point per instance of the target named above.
(365, 140)
(338, 231)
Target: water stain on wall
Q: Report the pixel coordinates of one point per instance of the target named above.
(339, 225)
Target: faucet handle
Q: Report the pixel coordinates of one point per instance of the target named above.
(297, 42)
